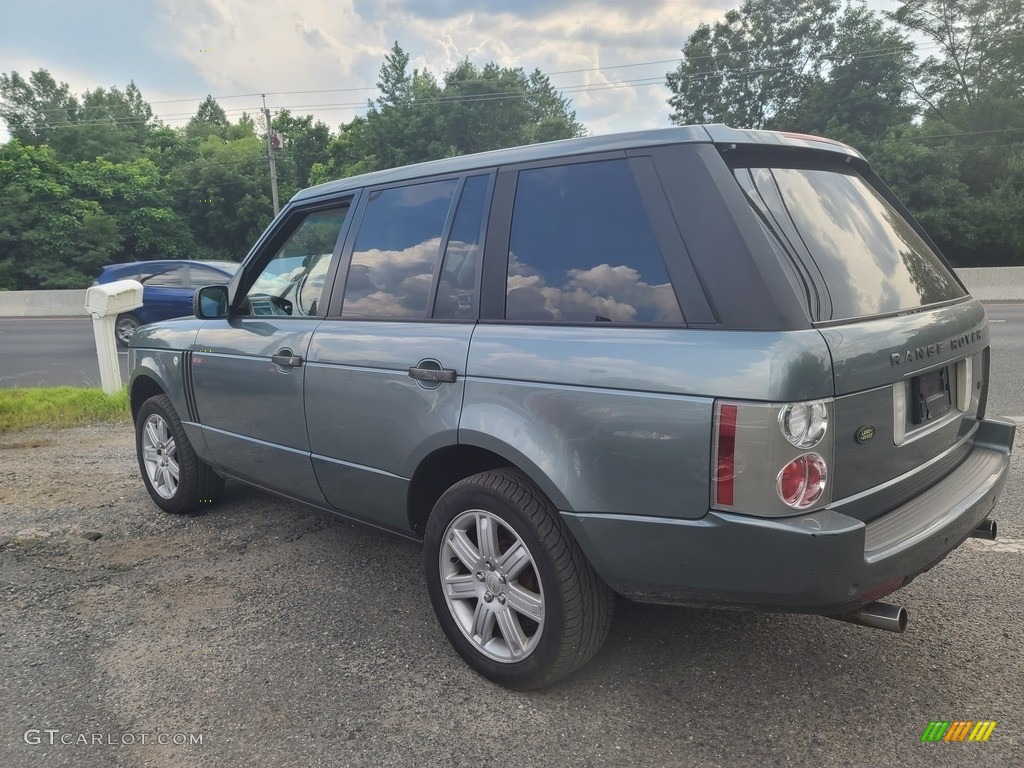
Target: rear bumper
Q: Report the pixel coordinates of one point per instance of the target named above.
(824, 562)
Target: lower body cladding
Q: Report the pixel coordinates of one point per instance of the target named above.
(822, 562)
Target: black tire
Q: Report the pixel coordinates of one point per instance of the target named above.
(575, 606)
(161, 444)
(124, 327)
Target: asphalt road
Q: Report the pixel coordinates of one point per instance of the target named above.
(50, 352)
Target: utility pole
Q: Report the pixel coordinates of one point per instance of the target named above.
(270, 154)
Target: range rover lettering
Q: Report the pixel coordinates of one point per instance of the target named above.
(699, 366)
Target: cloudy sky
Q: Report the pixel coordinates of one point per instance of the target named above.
(322, 57)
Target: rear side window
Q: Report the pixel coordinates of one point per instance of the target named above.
(582, 249)
(870, 259)
(175, 277)
(397, 251)
(200, 276)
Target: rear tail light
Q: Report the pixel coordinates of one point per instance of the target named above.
(761, 462)
(804, 424)
(802, 481)
(726, 454)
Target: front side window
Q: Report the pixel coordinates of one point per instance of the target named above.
(870, 258)
(292, 282)
(397, 251)
(582, 249)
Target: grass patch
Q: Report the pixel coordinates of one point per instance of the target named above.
(23, 408)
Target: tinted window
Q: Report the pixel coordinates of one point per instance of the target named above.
(175, 277)
(456, 289)
(870, 258)
(397, 251)
(582, 249)
(292, 282)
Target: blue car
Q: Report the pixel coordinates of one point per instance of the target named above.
(168, 287)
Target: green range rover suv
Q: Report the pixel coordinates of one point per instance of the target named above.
(700, 366)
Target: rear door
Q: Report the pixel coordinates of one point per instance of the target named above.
(249, 370)
(908, 345)
(385, 372)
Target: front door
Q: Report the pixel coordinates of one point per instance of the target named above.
(249, 370)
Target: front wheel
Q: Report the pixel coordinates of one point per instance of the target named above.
(177, 480)
(510, 586)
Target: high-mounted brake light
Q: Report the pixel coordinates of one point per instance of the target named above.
(725, 470)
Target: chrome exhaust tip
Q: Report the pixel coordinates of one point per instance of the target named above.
(891, 618)
(986, 530)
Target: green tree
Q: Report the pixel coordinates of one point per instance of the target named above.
(403, 124)
(753, 68)
(51, 234)
(135, 195)
(105, 122)
(972, 93)
(35, 109)
(305, 142)
(865, 91)
(418, 118)
(494, 107)
(111, 123)
(977, 79)
(224, 195)
(209, 120)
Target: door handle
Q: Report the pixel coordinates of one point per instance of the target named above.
(286, 360)
(432, 374)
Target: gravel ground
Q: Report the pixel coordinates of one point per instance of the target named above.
(280, 636)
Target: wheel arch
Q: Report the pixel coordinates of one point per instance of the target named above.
(444, 467)
(143, 387)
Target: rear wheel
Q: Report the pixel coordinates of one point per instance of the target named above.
(177, 480)
(124, 327)
(510, 586)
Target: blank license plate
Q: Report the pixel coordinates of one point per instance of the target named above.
(930, 395)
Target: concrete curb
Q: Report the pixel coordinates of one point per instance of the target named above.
(42, 303)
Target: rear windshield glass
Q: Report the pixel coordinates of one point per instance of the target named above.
(857, 254)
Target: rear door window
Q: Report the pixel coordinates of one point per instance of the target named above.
(842, 235)
(397, 251)
(582, 249)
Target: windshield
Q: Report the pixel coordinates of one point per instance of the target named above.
(858, 256)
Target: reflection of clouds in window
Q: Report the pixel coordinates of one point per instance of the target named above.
(841, 219)
(616, 294)
(391, 283)
(871, 258)
(582, 249)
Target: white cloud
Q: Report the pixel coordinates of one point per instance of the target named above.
(278, 45)
(184, 49)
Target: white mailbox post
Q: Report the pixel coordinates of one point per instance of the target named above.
(105, 302)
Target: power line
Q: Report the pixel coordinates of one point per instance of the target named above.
(864, 53)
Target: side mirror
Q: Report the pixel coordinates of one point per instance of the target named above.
(210, 302)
